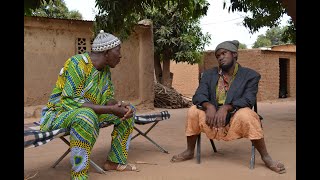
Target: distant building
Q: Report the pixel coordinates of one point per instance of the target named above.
(284, 47)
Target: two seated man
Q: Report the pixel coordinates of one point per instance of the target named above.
(83, 97)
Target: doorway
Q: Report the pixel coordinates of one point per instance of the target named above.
(283, 87)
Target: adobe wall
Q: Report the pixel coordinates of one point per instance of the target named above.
(47, 45)
(271, 74)
(285, 47)
(49, 42)
(185, 78)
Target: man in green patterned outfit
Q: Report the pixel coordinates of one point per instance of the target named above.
(83, 98)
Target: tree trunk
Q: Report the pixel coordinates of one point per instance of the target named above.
(157, 68)
(166, 77)
(290, 6)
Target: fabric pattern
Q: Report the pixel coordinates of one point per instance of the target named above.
(224, 85)
(150, 118)
(33, 137)
(79, 82)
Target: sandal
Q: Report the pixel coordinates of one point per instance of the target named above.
(121, 167)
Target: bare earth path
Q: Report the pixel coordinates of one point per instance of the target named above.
(232, 161)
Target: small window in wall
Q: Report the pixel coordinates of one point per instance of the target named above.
(81, 45)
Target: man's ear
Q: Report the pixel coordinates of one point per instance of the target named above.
(235, 55)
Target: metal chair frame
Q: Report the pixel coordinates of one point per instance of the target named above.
(198, 145)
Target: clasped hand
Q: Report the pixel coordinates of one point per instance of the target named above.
(123, 110)
(215, 118)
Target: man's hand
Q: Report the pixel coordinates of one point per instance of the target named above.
(221, 115)
(112, 102)
(119, 111)
(129, 112)
(210, 113)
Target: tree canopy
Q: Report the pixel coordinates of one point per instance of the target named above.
(243, 46)
(262, 13)
(53, 9)
(30, 5)
(120, 16)
(177, 33)
(273, 36)
(181, 38)
(175, 38)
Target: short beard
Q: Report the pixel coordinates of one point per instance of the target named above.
(227, 66)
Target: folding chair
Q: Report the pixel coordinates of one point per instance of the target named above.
(252, 159)
(147, 119)
(33, 137)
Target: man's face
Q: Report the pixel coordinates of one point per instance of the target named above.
(114, 56)
(225, 58)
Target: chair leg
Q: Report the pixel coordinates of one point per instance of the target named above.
(213, 146)
(145, 135)
(252, 159)
(60, 159)
(98, 168)
(153, 125)
(198, 153)
(64, 154)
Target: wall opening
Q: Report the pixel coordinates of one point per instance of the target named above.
(82, 46)
(283, 68)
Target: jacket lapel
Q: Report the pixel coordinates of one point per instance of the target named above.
(235, 85)
(213, 83)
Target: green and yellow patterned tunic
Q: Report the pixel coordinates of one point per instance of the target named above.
(78, 82)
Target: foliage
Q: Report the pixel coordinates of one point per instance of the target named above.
(177, 34)
(120, 16)
(262, 13)
(29, 5)
(262, 41)
(175, 37)
(74, 14)
(289, 34)
(273, 36)
(242, 46)
(55, 9)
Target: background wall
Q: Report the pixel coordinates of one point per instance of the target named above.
(48, 43)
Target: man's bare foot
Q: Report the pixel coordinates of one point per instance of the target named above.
(186, 155)
(274, 165)
(119, 167)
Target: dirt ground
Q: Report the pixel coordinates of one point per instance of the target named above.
(231, 161)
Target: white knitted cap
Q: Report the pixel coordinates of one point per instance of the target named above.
(104, 41)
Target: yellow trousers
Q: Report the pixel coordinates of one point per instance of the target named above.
(245, 123)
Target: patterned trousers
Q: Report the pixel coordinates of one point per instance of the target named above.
(84, 130)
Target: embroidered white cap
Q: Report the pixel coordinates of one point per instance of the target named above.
(104, 41)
